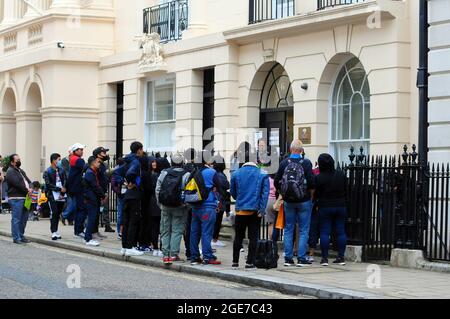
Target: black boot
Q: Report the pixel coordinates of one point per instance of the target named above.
(108, 229)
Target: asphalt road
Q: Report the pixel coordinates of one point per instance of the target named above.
(35, 271)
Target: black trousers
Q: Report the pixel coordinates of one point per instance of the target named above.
(130, 221)
(56, 209)
(155, 223)
(145, 229)
(218, 225)
(242, 223)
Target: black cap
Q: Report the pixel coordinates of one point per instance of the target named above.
(99, 150)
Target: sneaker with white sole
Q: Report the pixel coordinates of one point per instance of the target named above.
(92, 242)
(123, 251)
(80, 235)
(310, 259)
(58, 235)
(54, 236)
(133, 252)
(218, 244)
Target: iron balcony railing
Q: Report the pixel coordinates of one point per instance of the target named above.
(323, 4)
(264, 10)
(169, 20)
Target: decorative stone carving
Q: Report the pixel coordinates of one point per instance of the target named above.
(152, 51)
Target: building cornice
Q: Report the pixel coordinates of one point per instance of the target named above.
(24, 23)
(315, 21)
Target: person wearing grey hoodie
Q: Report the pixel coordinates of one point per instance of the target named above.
(331, 201)
(173, 217)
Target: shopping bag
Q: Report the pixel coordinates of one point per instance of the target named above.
(27, 203)
(280, 218)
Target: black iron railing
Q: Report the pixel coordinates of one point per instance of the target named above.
(323, 4)
(263, 10)
(169, 20)
(395, 202)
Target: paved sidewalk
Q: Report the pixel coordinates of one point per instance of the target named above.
(348, 281)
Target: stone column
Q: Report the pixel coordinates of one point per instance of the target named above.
(189, 109)
(29, 142)
(198, 13)
(35, 8)
(65, 4)
(226, 109)
(7, 135)
(11, 12)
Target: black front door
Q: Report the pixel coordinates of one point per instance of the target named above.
(119, 120)
(277, 127)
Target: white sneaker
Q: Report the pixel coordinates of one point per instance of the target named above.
(58, 235)
(80, 235)
(158, 253)
(310, 259)
(218, 244)
(123, 251)
(54, 236)
(133, 252)
(92, 243)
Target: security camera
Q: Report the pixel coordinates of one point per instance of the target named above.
(61, 45)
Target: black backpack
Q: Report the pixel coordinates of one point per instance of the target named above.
(266, 255)
(196, 192)
(170, 193)
(293, 182)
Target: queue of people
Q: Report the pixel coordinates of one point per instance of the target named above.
(159, 202)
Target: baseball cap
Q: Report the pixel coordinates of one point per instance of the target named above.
(77, 146)
(99, 150)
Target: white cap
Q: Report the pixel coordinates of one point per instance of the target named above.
(77, 146)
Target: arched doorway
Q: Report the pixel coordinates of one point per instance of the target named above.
(277, 109)
(8, 123)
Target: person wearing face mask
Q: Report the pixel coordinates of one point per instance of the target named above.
(18, 189)
(101, 154)
(55, 181)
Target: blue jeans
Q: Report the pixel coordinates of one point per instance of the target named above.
(92, 209)
(120, 203)
(336, 217)
(71, 208)
(203, 221)
(297, 213)
(19, 218)
(80, 214)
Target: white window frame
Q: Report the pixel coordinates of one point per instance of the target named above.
(148, 122)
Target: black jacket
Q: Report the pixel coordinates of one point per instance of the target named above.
(50, 181)
(16, 184)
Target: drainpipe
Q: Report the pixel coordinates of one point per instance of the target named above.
(422, 82)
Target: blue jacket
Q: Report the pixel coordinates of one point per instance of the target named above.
(211, 181)
(74, 185)
(92, 189)
(133, 169)
(250, 188)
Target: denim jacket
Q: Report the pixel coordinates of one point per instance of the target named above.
(250, 188)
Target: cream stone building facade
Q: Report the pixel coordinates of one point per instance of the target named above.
(83, 71)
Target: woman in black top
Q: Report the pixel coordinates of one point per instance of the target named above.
(330, 195)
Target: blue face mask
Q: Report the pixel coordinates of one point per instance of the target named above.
(59, 164)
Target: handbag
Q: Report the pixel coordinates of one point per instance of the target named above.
(278, 203)
(280, 222)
